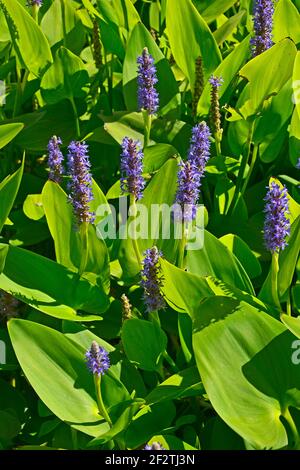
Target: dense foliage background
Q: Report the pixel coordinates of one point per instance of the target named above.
(218, 368)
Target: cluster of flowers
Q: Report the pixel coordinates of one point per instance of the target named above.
(80, 182)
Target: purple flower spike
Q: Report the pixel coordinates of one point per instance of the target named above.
(132, 168)
(277, 225)
(81, 182)
(199, 151)
(55, 159)
(263, 26)
(187, 192)
(97, 359)
(191, 172)
(148, 99)
(152, 280)
(216, 81)
(154, 446)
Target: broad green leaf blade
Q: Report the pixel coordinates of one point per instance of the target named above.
(65, 77)
(56, 369)
(214, 259)
(67, 240)
(166, 85)
(30, 44)
(190, 37)
(228, 69)
(8, 132)
(216, 8)
(241, 250)
(143, 342)
(229, 338)
(296, 82)
(292, 323)
(33, 207)
(153, 220)
(267, 73)
(49, 286)
(286, 21)
(8, 191)
(185, 383)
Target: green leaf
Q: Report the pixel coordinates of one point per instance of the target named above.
(241, 250)
(8, 132)
(65, 78)
(150, 223)
(33, 207)
(266, 74)
(244, 359)
(144, 343)
(294, 136)
(49, 286)
(186, 383)
(228, 69)
(214, 259)
(148, 422)
(166, 85)
(228, 27)
(30, 44)
(292, 323)
(8, 191)
(59, 374)
(286, 21)
(296, 83)
(216, 8)
(190, 39)
(67, 240)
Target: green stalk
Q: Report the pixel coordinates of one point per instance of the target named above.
(134, 240)
(84, 253)
(147, 127)
(154, 317)
(35, 13)
(218, 145)
(171, 363)
(293, 427)
(77, 123)
(182, 245)
(274, 279)
(101, 406)
(245, 159)
(252, 165)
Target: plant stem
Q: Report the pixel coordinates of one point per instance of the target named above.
(77, 123)
(253, 161)
(74, 439)
(218, 146)
(182, 245)
(84, 253)
(242, 169)
(170, 361)
(134, 240)
(293, 427)
(147, 127)
(274, 279)
(35, 13)
(101, 407)
(154, 317)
